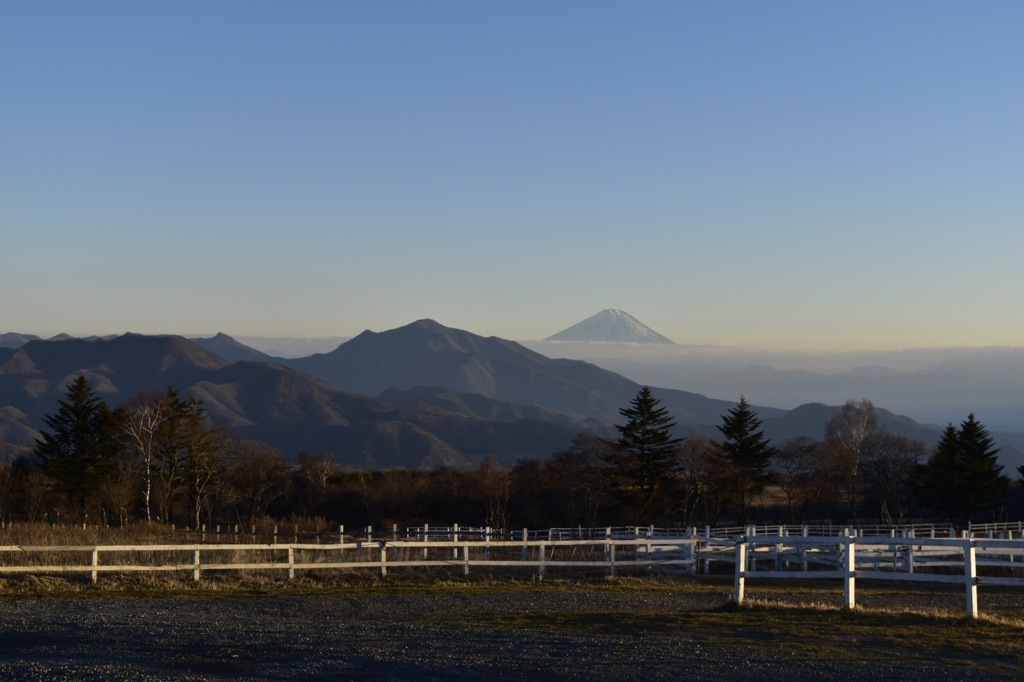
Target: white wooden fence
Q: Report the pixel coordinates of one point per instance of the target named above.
(537, 555)
(755, 553)
(852, 557)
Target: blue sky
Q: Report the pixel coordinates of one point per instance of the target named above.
(789, 175)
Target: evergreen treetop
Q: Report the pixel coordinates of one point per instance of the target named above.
(744, 441)
(963, 477)
(647, 446)
(78, 451)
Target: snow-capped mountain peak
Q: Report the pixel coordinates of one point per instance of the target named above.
(611, 326)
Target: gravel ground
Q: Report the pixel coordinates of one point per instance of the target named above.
(398, 636)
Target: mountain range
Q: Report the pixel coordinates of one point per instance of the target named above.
(422, 395)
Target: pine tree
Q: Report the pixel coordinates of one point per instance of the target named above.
(749, 451)
(963, 478)
(745, 442)
(78, 453)
(986, 486)
(646, 458)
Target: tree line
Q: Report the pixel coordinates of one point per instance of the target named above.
(160, 458)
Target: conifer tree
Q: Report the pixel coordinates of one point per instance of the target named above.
(646, 457)
(986, 486)
(745, 442)
(963, 478)
(79, 450)
(749, 451)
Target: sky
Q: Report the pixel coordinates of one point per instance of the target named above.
(800, 175)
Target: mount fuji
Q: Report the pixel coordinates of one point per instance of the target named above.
(611, 326)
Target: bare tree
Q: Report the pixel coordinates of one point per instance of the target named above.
(35, 493)
(316, 473)
(889, 465)
(258, 476)
(580, 472)
(706, 479)
(140, 424)
(167, 439)
(530, 492)
(207, 450)
(120, 491)
(846, 435)
(801, 472)
(7, 487)
(492, 481)
(317, 470)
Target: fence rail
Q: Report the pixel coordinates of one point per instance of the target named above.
(277, 534)
(851, 557)
(920, 554)
(538, 555)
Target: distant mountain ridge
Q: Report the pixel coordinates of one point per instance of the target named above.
(262, 401)
(422, 395)
(230, 349)
(14, 340)
(444, 396)
(611, 326)
(426, 353)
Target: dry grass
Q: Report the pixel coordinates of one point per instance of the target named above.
(41, 534)
(816, 631)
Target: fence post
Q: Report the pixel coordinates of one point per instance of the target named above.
(383, 558)
(465, 559)
(611, 551)
(741, 569)
(426, 537)
(707, 550)
(650, 534)
(291, 563)
(850, 570)
(95, 563)
(195, 564)
(525, 556)
(691, 553)
(540, 562)
(971, 577)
